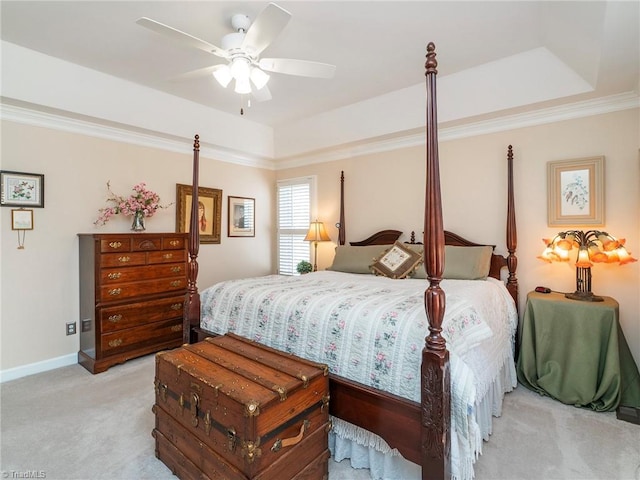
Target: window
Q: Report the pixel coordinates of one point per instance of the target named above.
(296, 199)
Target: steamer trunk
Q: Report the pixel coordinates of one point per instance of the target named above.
(230, 408)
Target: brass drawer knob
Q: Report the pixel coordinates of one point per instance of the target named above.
(174, 243)
(176, 283)
(115, 291)
(124, 259)
(176, 328)
(115, 244)
(115, 343)
(176, 269)
(167, 256)
(176, 306)
(114, 276)
(115, 318)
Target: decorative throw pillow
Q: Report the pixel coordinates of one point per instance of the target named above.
(350, 259)
(397, 262)
(463, 263)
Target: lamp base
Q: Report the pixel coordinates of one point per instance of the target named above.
(584, 296)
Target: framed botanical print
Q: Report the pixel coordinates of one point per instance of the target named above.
(575, 192)
(18, 189)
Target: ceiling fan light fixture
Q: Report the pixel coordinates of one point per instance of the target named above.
(259, 78)
(240, 69)
(243, 86)
(223, 75)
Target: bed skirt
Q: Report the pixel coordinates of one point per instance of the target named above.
(367, 450)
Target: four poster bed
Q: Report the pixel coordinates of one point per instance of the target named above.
(405, 404)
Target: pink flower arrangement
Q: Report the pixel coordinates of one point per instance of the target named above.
(142, 200)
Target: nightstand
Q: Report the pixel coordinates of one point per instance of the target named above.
(576, 352)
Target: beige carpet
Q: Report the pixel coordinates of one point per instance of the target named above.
(68, 424)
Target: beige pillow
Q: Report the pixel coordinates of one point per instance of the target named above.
(463, 263)
(397, 262)
(350, 259)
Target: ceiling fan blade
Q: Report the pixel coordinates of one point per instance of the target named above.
(181, 37)
(269, 23)
(199, 73)
(302, 68)
(261, 95)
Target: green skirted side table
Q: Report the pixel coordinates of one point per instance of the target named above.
(575, 351)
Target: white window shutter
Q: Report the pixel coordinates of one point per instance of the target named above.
(294, 215)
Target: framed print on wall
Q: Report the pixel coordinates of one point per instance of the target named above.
(19, 189)
(22, 219)
(575, 192)
(241, 217)
(209, 212)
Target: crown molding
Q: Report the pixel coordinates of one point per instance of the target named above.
(35, 116)
(416, 137)
(39, 116)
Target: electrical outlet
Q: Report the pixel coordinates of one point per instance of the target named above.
(71, 328)
(86, 325)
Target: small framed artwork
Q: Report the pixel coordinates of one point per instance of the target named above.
(21, 189)
(575, 192)
(209, 212)
(241, 221)
(22, 219)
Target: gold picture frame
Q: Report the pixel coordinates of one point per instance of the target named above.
(241, 220)
(210, 217)
(575, 192)
(22, 219)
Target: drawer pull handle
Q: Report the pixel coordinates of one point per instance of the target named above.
(115, 318)
(176, 269)
(167, 256)
(288, 442)
(115, 244)
(176, 283)
(174, 243)
(124, 259)
(176, 306)
(115, 291)
(115, 343)
(114, 276)
(176, 328)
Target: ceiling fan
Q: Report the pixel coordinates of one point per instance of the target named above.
(242, 51)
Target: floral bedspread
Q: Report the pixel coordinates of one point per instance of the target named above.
(366, 328)
(371, 330)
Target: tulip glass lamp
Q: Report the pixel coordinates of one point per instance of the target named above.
(593, 247)
(316, 233)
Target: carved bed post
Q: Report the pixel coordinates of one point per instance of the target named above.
(341, 226)
(512, 237)
(435, 375)
(192, 297)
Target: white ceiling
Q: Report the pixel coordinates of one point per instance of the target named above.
(378, 47)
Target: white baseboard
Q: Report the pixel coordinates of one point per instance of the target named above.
(38, 367)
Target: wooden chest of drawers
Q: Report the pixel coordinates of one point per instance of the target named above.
(132, 289)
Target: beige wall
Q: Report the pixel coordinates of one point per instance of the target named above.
(40, 283)
(386, 190)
